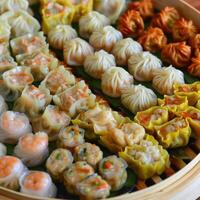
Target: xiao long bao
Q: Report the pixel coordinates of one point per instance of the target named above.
(194, 68)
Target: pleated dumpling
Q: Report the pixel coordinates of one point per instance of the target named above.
(3, 149)
(61, 33)
(3, 105)
(5, 31)
(76, 50)
(124, 49)
(6, 5)
(105, 38)
(110, 8)
(114, 80)
(91, 22)
(138, 98)
(141, 65)
(96, 64)
(165, 78)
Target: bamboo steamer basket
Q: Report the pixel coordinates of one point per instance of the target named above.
(181, 180)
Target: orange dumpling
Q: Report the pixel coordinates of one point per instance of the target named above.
(153, 39)
(183, 30)
(195, 44)
(165, 19)
(178, 54)
(194, 68)
(144, 7)
(131, 24)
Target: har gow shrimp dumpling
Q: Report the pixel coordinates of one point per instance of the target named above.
(96, 64)
(3, 149)
(138, 98)
(76, 50)
(114, 80)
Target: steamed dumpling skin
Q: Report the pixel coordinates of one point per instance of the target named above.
(165, 78)
(114, 80)
(138, 98)
(95, 65)
(141, 65)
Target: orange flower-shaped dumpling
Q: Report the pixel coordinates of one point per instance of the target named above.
(183, 30)
(131, 24)
(195, 44)
(194, 68)
(144, 7)
(165, 19)
(178, 54)
(153, 39)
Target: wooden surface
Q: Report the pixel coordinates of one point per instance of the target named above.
(195, 3)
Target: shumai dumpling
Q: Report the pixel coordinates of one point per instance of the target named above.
(153, 39)
(114, 80)
(92, 21)
(96, 64)
(61, 33)
(110, 8)
(165, 78)
(144, 7)
(194, 68)
(131, 24)
(141, 65)
(14, 5)
(178, 54)
(183, 30)
(195, 44)
(124, 49)
(165, 19)
(76, 50)
(138, 98)
(105, 38)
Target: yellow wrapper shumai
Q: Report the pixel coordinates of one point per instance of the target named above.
(56, 12)
(146, 159)
(191, 91)
(198, 104)
(154, 116)
(175, 133)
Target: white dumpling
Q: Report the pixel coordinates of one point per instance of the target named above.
(76, 50)
(37, 183)
(110, 8)
(105, 38)
(5, 31)
(61, 33)
(14, 5)
(165, 78)
(91, 22)
(138, 98)
(13, 125)
(114, 80)
(95, 65)
(141, 65)
(124, 49)
(3, 105)
(3, 150)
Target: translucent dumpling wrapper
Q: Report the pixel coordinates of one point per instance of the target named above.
(21, 22)
(142, 65)
(32, 149)
(165, 78)
(14, 81)
(124, 49)
(33, 101)
(110, 8)
(59, 161)
(95, 21)
(11, 170)
(13, 5)
(76, 50)
(5, 48)
(105, 38)
(3, 150)
(114, 80)
(57, 79)
(3, 105)
(29, 43)
(75, 99)
(96, 64)
(37, 183)
(6, 62)
(138, 97)
(51, 121)
(40, 63)
(5, 31)
(113, 170)
(60, 34)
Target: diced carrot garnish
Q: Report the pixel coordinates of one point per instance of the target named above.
(107, 165)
